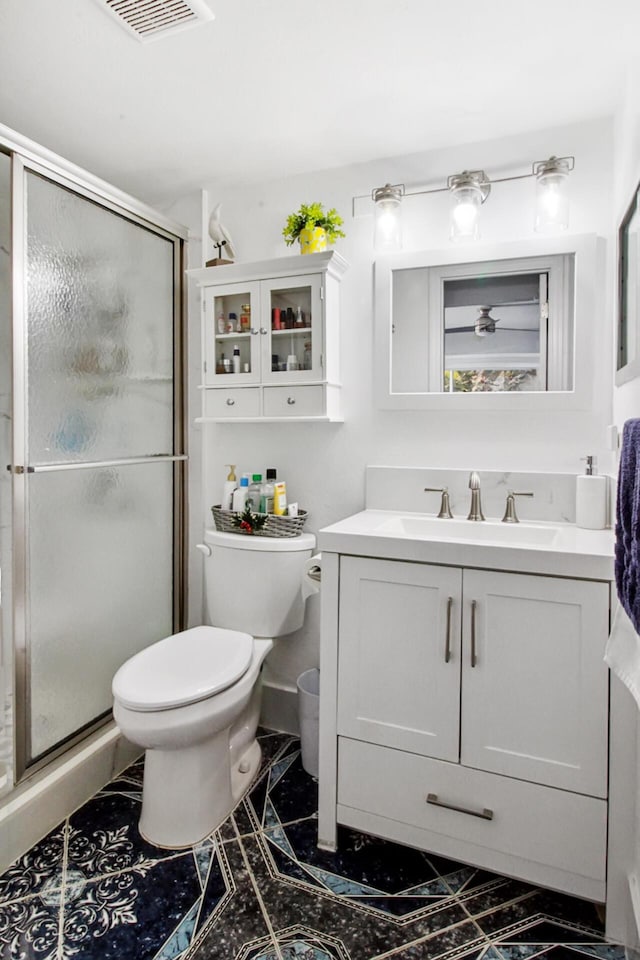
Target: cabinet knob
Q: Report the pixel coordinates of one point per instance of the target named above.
(254, 332)
(263, 331)
(230, 402)
(290, 401)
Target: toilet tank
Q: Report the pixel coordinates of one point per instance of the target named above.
(253, 584)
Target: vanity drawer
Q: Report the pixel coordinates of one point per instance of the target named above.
(560, 830)
(298, 401)
(234, 402)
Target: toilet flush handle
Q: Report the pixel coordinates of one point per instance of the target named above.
(204, 548)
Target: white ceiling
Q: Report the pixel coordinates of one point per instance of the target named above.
(273, 88)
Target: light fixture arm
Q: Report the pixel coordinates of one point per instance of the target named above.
(538, 168)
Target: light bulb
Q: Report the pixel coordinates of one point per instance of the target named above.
(470, 190)
(388, 218)
(464, 216)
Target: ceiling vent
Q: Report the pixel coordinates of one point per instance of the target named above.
(152, 19)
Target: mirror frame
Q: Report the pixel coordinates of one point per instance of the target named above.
(630, 369)
(588, 302)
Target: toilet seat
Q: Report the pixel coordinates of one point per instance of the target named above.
(183, 668)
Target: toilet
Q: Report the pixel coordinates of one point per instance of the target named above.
(192, 700)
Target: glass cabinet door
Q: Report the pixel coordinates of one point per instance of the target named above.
(292, 314)
(232, 334)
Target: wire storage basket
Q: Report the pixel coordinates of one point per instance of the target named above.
(274, 527)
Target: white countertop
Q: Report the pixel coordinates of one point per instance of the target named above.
(555, 549)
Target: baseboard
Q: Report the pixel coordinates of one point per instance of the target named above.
(34, 808)
(279, 709)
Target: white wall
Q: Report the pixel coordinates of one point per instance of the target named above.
(323, 464)
(626, 398)
(625, 787)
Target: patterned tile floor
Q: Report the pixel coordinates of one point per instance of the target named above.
(259, 889)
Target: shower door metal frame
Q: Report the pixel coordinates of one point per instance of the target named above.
(95, 191)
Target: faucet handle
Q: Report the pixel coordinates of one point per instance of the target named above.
(510, 515)
(445, 505)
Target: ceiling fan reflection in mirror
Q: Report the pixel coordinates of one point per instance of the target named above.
(485, 325)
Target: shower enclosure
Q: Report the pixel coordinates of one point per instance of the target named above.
(92, 500)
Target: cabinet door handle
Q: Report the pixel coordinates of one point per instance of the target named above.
(447, 646)
(254, 332)
(474, 658)
(290, 401)
(263, 331)
(230, 402)
(484, 814)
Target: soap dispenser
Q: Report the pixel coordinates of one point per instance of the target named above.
(591, 497)
(230, 485)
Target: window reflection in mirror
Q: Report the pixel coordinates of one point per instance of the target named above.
(500, 326)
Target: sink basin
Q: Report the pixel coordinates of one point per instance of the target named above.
(483, 531)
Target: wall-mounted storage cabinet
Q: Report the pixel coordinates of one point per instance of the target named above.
(270, 338)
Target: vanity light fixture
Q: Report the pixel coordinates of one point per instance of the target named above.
(470, 189)
(387, 235)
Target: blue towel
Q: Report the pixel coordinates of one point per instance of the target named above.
(627, 550)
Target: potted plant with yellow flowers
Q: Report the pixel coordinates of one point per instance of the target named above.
(313, 227)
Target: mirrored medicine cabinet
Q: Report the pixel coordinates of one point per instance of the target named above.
(506, 326)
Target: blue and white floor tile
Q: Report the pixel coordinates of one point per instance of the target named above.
(259, 889)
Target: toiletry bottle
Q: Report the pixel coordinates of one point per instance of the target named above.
(255, 489)
(268, 491)
(231, 324)
(222, 325)
(240, 495)
(292, 362)
(275, 319)
(236, 358)
(299, 317)
(591, 498)
(280, 498)
(230, 485)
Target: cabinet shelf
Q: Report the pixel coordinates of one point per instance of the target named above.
(290, 330)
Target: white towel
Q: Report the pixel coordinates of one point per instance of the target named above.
(622, 652)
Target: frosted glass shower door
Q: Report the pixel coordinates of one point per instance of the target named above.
(102, 474)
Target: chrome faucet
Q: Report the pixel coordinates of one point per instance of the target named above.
(475, 513)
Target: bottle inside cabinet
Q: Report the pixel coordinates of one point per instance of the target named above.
(291, 324)
(232, 324)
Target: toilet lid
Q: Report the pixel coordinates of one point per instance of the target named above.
(183, 668)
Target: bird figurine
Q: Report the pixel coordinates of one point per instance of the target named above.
(220, 235)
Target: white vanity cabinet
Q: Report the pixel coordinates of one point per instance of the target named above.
(279, 319)
(471, 715)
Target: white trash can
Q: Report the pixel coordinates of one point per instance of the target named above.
(309, 718)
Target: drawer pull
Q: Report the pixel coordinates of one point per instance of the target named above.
(474, 658)
(230, 402)
(485, 814)
(447, 648)
(290, 401)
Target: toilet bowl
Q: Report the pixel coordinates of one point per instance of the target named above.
(192, 700)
